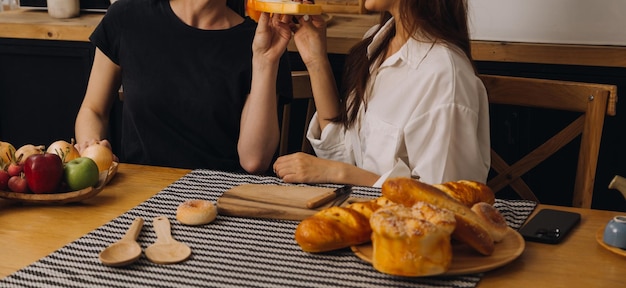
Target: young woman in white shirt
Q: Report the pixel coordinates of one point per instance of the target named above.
(414, 105)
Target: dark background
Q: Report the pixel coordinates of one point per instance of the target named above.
(42, 84)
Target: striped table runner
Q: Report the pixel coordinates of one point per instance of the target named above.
(229, 252)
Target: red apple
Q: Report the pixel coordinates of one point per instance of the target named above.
(44, 172)
(18, 184)
(4, 180)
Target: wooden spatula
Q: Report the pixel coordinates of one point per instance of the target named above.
(166, 250)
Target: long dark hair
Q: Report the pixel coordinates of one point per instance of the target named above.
(437, 20)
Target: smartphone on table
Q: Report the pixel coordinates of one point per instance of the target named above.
(550, 226)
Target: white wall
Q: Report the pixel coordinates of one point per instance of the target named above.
(599, 22)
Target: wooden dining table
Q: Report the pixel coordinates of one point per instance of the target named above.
(29, 232)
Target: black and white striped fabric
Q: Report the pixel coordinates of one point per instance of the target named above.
(229, 252)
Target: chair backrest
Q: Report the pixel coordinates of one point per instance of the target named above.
(594, 101)
(301, 91)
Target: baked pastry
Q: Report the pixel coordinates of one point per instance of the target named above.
(332, 228)
(468, 192)
(383, 201)
(196, 212)
(493, 220)
(365, 208)
(470, 229)
(412, 241)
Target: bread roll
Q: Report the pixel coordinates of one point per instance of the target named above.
(196, 212)
(468, 192)
(469, 227)
(365, 208)
(332, 228)
(412, 241)
(493, 220)
(382, 201)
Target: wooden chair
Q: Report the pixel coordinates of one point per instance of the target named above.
(301, 91)
(594, 101)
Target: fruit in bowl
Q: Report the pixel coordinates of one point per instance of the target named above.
(64, 149)
(102, 155)
(36, 179)
(81, 173)
(43, 172)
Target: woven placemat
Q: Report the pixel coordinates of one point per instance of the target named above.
(229, 252)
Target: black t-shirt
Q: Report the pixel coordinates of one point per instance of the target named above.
(184, 88)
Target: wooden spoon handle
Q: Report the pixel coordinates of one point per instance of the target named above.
(163, 229)
(134, 229)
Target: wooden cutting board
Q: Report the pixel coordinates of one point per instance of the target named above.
(270, 201)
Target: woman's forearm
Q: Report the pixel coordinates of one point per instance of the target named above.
(325, 91)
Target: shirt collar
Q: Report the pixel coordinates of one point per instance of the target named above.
(412, 52)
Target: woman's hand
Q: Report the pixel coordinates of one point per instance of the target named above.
(310, 38)
(272, 36)
(305, 168)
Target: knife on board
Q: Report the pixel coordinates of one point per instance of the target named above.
(339, 195)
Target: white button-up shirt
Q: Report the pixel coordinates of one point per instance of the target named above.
(427, 117)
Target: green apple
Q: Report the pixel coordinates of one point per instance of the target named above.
(81, 173)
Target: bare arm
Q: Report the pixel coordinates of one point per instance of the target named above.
(305, 168)
(259, 131)
(310, 37)
(93, 117)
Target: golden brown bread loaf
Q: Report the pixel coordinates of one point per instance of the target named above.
(332, 228)
(383, 201)
(470, 229)
(493, 220)
(468, 192)
(365, 208)
(412, 241)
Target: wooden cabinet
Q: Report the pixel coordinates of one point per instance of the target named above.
(42, 84)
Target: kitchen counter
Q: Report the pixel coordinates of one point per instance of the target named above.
(344, 31)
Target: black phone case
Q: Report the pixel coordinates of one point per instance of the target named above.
(550, 226)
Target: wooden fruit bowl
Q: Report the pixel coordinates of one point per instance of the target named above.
(66, 197)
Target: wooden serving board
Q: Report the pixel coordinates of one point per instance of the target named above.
(270, 201)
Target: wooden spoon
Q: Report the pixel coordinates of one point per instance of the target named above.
(126, 250)
(166, 250)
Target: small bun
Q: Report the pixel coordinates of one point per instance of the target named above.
(493, 220)
(196, 212)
